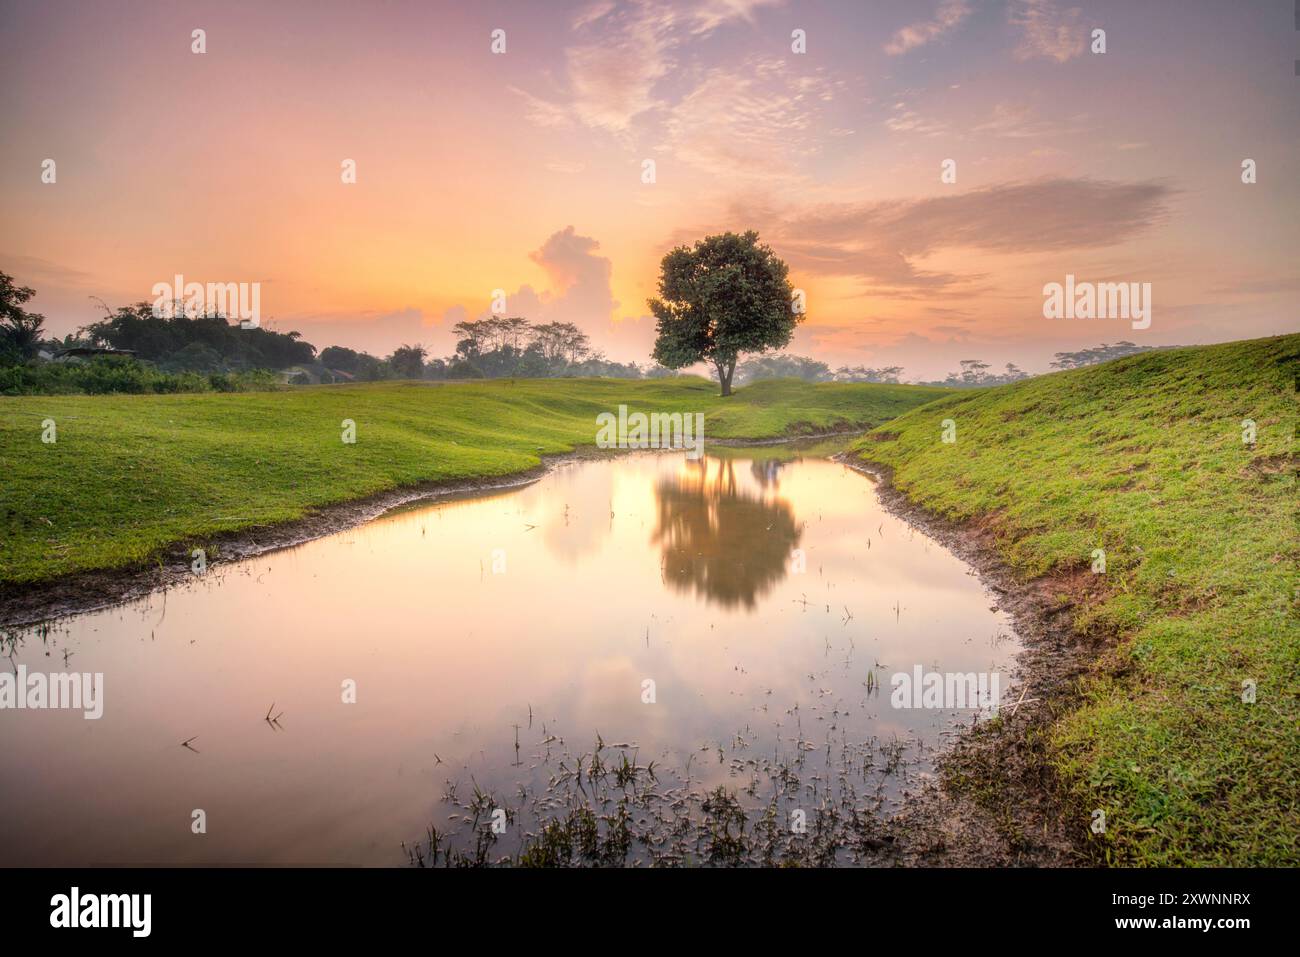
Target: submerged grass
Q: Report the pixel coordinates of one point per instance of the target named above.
(130, 475)
(1144, 458)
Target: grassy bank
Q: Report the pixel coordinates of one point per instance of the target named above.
(1143, 457)
(129, 475)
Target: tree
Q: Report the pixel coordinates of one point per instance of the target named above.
(727, 295)
(1102, 353)
(562, 343)
(156, 337)
(20, 330)
(888, 374)
(782, 366)
(408, 361)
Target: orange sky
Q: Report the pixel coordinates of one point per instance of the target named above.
(523, 170)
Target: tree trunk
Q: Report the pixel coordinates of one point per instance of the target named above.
(725, 372)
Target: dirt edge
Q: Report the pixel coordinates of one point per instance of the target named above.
(30, 603)
(999, 802)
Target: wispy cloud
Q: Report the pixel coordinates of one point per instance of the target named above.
(1014, 120)
(1047, 30)
(881, 242)
(948, 16)
(711, 14)
(756, 120)
(622, 52)
(612, 76)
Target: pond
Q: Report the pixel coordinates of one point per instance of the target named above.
(636, 659)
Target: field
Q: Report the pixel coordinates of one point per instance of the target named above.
(1140, 462)
(1144, 458)
(129, 475)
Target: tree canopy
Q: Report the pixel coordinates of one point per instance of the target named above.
(20, 330)
(728, 294)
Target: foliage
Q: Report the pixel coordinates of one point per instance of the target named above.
(104, 375)
(865, 374)
(1101, 353)
(20, 330)
(727, 295)
(158, 338)
(781, 366)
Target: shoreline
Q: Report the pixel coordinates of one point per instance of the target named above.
(957, 821)
(999, 803)
(32, 603)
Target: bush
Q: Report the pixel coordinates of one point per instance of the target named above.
(105, 375)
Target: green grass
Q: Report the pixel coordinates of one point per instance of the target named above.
(131, 475)
(1143, 457)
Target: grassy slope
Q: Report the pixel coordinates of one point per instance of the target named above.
(1144, 458)
(132, 474)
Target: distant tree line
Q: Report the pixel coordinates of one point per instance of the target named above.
(205, 343)
(209, 351)
(974, 374)
(1101, 353)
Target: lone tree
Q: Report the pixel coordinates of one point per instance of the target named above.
(727, 295)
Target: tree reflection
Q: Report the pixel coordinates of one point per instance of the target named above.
(719, 540)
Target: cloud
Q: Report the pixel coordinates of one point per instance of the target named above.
(592, 13)
(542, 112)
(1018, 121)
(581, 289)
(880, 242)
(612, 78)
(1047, 30)
(32, 270)
(579, 286)
(906, 120)
(755, 120)
(711, 14)
(624, 50)
(947, 17)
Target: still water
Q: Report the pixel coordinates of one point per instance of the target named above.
(732, 622)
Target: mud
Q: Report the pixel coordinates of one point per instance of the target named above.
(999, 803)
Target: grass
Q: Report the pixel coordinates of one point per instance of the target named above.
(131, 475)
(1144, 458)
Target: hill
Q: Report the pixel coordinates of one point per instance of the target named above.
(1144, 458)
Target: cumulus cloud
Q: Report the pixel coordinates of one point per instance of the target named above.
(947, 17)
(579, 290)
(580, 279)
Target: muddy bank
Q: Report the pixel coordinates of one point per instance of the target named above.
(999, 802)
(34, 602)
(995, 802)
(30, 603)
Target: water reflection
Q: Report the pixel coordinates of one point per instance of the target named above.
(720, 539)
(473, 673)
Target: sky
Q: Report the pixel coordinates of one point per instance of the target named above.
(525, 170)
